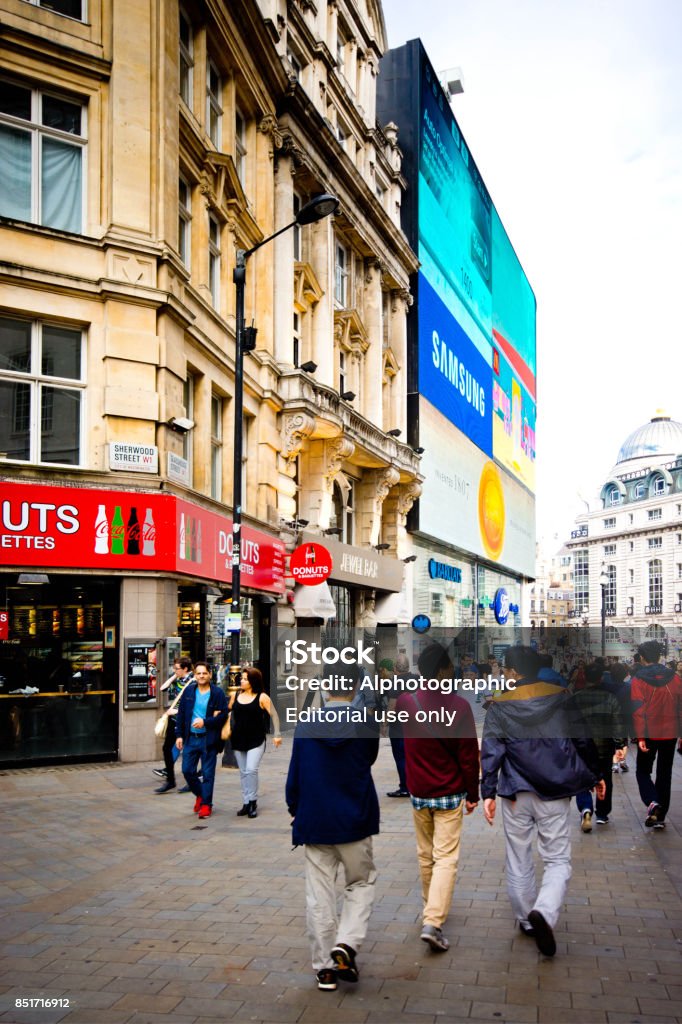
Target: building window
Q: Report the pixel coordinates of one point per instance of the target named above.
(214, 260)
(640, 491)
(679, 570)
(214, 110)
(184, 221)
(216, 447)
(654, 513)
(188, 390)
(655, 542)
(610, 523)
(69, 8)
(609, 549)
(42, 392)
(246, 449)
(631, 575)
(295, 64)
(632, 545)
(341, 269)
(296, 230)
(610, 590)
(658, 485)
(186, 58)
(240, 147)
(614, 497)
(581, 562)
(42, 146)
(341, 53)
(344, 510)
(296, 353)
(342, 372)
(656, 583)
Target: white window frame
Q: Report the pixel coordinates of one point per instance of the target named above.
(610, 523)
(37, 380)
(655, 513)
(217, 406)
(655, 543)
(186, 60)
(615, 497)
(640, 491)
(655, 583)
(296, 340)
(185, 222)
(214, 260)
(48, 7)
(39, 132)
(658, 485)
(213, 104)
(341, 276)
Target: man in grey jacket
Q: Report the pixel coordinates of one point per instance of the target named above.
(530, 759)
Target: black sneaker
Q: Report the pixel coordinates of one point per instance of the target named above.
(344, 958)
(542, 933)
(652, 815)
(604, 820)
(161, 772)
(398, 792)
(659, 826)
(624, 767)
(166, 788)
(326, 979)
(526, 930)
(435, 938)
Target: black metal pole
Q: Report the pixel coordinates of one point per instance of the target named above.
(603, 620)
(239, 278)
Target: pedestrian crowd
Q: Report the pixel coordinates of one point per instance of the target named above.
(548, 737)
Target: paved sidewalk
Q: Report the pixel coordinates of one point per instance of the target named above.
(123, 903)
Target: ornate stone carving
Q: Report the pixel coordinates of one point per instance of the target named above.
(296, 428)
(268, 126)
(407, 496)
(384, 481)
(338, 450)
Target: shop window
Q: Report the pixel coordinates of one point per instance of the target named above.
(42, 146)
(42, 392)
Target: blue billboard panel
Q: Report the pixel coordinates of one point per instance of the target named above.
(453, 375)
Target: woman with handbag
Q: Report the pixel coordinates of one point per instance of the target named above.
(247, 725)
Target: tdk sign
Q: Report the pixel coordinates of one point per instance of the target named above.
(443, 571)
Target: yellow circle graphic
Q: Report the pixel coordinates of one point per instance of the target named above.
(491, 510)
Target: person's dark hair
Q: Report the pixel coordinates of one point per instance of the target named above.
(255, 677)
(546, 660)
(672, 664)
(205, 664)
(185, 662)
(619, 672)
(523, 660)
(594, 673)
(484, 669)
(650, 651)
(434, 659)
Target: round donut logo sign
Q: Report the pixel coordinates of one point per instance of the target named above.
(310, 564)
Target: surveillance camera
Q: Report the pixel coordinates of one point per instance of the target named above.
(181, 424)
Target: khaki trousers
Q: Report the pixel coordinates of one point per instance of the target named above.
(438, 835)
(325, 928)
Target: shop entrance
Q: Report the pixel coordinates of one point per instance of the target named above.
(58, 669)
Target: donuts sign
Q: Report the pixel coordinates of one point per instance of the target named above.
(310, 564)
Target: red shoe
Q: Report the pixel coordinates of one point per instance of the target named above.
(205, 811)
(198, 804)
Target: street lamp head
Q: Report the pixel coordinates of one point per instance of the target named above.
(348, 396)
(317, 208)
(396, 432)
(309, 367)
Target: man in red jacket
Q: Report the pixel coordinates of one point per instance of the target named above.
(656, 695)
(441, 761)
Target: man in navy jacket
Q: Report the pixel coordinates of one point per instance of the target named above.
(202, 712)
(330, 792)
(530, 758)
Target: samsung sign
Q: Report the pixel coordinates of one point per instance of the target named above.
(443, 571)
(453, 375)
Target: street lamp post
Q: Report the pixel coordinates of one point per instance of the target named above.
(603, 582)
(318, 207)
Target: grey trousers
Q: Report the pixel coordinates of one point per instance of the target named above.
(325, 928)
(523, 819)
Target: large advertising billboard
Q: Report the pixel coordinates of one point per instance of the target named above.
(486, 302)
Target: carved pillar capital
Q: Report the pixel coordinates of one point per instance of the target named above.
(296, 427)
(337, 451)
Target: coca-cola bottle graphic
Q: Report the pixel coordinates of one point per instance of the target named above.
(183, 531)
(193, 540)
(101, 532)
(117, 532)
(199, 540)
(188, 539)
(148, 534)
(133, 533)
(310, 555)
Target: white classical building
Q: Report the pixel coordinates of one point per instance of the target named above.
(628, 552)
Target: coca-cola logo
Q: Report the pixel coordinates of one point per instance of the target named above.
(120, 532)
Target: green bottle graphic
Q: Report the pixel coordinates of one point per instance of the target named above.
(117, 533)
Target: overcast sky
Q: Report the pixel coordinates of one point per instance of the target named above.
(573, 113)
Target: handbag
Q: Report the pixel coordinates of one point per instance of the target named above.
(161, 724)
(226, 730)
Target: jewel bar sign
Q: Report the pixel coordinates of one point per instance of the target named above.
(100, 529)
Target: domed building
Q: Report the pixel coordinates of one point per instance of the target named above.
(627, 555)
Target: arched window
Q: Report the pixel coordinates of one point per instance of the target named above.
(610, 590)
(656, 632)
(612, 636)
(656, 584)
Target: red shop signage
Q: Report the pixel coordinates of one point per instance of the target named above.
(310, 564)
(98, 529)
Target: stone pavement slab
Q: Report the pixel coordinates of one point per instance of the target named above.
(121, 902)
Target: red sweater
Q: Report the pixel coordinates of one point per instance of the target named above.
(440, 759)
(656, 695)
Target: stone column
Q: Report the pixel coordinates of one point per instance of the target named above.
(372, 376)
(322, 244)
(284, 262)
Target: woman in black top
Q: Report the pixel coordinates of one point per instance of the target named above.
(248, 710)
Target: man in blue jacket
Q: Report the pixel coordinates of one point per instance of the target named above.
(330, 792)
(530, 758)
(202, 712)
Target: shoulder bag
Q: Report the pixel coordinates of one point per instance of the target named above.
(161, 725)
